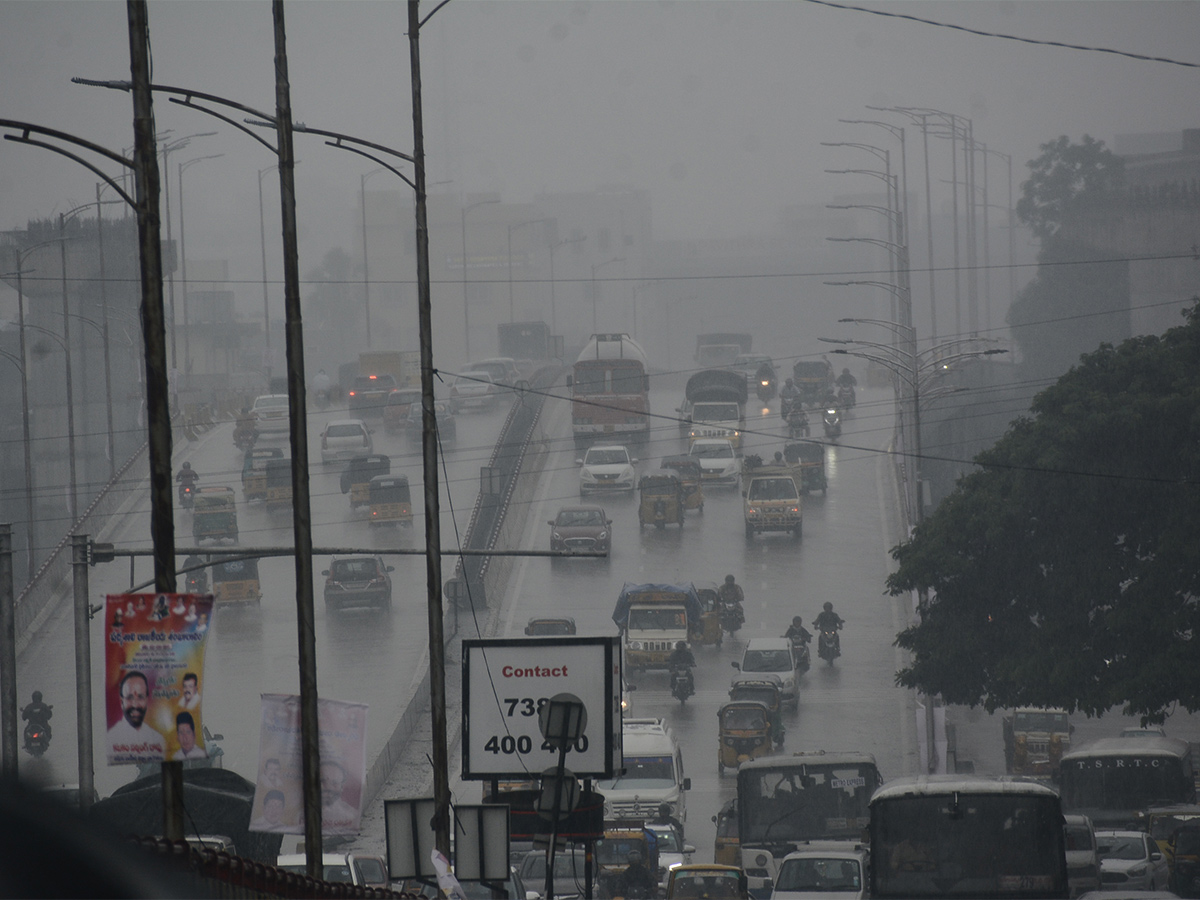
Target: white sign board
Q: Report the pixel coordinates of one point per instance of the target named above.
(506, 681)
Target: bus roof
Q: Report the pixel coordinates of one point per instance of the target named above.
(612, 346)
(814, 758)
(938, 785)
(1130, 746)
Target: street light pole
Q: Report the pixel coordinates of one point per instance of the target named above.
(596, 268)
(362, 202)
(62, 249)
(511, 229)
(466, 312)
(262, 233)
(553, 308)
(187, 337)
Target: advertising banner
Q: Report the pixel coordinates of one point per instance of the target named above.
(279, 794)
(154, 676)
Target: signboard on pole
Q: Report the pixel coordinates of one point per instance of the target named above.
(507, 682)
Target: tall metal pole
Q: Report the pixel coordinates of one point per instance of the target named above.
(972, 231)
(83, 670)
(187, 337)
(8, 659)
(362, 193)
(466, 311)
(954, 208)
(433, 565)
(109, 447)
(298, 434)
(987, 247)
(262, 232)
(929, 237)
(30, 525)
(74, 490)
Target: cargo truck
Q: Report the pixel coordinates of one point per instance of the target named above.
(653, 618)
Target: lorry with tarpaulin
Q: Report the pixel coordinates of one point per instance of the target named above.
(722, 348)
(714, 406)
(653, 618)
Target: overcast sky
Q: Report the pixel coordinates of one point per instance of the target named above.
(717, 108)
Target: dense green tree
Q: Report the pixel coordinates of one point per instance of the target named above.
(1065, 570)
(1065, 180)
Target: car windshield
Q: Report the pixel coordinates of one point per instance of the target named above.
(273, 402)
(709, 887)
(353, 569)
(575, 518)
(605, 458)
(723, 450)
(772, 489)
(668, 840)
(766, 661)
(567, 866)
(716, 412)
(1079, 837)
(744, 718)
(1131, 847)
(819, 874)
(642, 773)
(349, 429)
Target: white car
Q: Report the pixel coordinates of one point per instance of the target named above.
(673, 852)
(774, 655)
(1130, 860)
(345, 439)
(718, 460)
(270, 413)
(823, 870)
(1083, 865)
(472, 388)
(606, 467)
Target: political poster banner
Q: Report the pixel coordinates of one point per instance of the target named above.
(279, 793)
(154, 676)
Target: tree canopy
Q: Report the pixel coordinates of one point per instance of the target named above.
(1064, 572)
(1064, 180)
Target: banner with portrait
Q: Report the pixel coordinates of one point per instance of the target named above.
(279, 794)
(154, 676)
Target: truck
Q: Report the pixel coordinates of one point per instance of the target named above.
(653, 618)
(1035, 740)
(771, 496)
(402, 365)
(721, 348)
(528, 340)
(714, 405)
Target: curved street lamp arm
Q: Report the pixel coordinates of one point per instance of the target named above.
(376, 159)
(432, 13)
(27, 127)
(227, 120)
(338, 136)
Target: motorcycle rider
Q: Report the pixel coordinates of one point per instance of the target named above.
(196, 579)
(731, 595)
(828, 620)
(789, 395)
(636, 880)
(245, 428)
(320, 387)
(797, 632)
(845, 379)
(664, 817)
(681, 658)
(187, 478)
(37, 714)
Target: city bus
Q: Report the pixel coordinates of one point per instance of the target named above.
(610, 392)
(1112, 779)
(966, 837)
(783, 801)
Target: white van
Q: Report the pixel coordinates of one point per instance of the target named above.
(653, 774)
(823, 870)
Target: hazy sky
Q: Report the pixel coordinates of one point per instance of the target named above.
(717, 108)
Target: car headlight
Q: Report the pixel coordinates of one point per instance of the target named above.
(1138, 870)
(556, 536)
(602, 535)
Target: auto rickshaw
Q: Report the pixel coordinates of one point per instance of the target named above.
(689, 472)
(765, 688)
(215, 515)
(279, 482)
(1161, 821)
(550, 626)
(612, 853)
(709, 633)
(727, 847)
(661, 499)
(236, 581)
(356, 479)
(743, 733)
(254, 471)
(707, 882)
(1185, 861)
(389, 499)
(810, 456)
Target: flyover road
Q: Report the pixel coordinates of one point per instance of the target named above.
(364, 656)
(842, 557)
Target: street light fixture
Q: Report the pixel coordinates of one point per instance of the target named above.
(466, 313)
(262, 234)
(511, 229)
(187, 337)
(595, 269)
(362, 203)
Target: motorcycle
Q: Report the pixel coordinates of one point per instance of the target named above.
(845, 396)
(732, 617)
(37, 738)
(828, 646)
(832, 417)
(766, 388)
(197, 582)
(245, 437)
(797, 424)
(801, 652)
(788, 402)
(321, 398)
(683, 685)
(185, 496)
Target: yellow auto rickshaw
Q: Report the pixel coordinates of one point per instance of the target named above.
(727, 847)
(707, 882)
(709, 633)
(279, 482)
(689, 472)
(390, 501)
(743, 733)
(356, 479)
(810, 456)
(254, 471)
(236, 581)
(215, 514)
(765, 688)
(661, 499)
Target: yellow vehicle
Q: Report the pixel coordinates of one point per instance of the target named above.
(254, 471)
(810, 456)
(727, 849)
(1163, 821)
(704, 882)
(215, 515)
(765, 688)
(279, 482)
(743, 733)
(356, 479)
(710, 633)
(612, 854)
(661, 499)
(390, 501)
(690, 474)
(236, 581)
